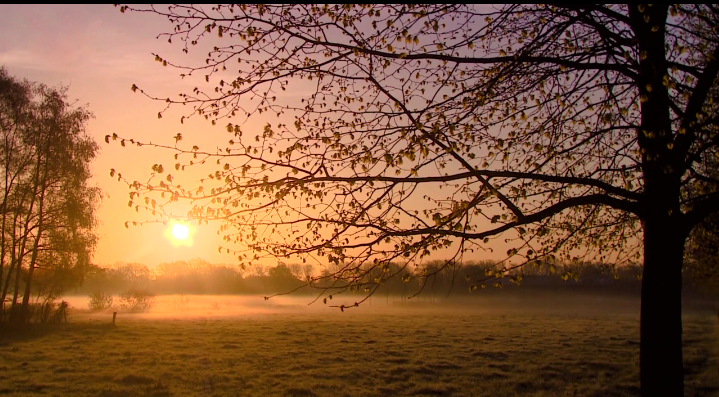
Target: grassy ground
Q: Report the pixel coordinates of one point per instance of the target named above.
(409, 351)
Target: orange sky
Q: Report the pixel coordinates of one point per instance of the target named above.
(100, 53)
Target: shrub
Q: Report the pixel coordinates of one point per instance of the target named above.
(136, 300)
(180, 303)
(100, 301)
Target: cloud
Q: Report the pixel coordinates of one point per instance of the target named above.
(25, 59)
(76, 42)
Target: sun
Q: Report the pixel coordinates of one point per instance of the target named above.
(180, 232)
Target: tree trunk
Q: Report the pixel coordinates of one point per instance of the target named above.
(6, 286)
(660, 348)
(36, 247)
(27, 229)
(21, 256)
(13, 261)
(16, 291)
(661, 363)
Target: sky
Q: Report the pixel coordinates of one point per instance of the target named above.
(99, 53)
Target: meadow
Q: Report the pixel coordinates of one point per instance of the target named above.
(229, 346)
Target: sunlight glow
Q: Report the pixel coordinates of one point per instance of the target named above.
(180, 232)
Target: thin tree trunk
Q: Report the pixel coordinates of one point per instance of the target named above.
(7, 188)
(13, 258)
(6, 284)
(33, 260)
(23, 244)
(16, 215)
(18, 267)
(16, 290)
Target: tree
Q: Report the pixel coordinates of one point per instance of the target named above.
(48, 207)
(570, 130)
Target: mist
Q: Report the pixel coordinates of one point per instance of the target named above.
(183, 306)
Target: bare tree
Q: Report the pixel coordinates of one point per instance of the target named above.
(570, 130)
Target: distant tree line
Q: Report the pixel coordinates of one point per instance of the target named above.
(194, 276)
(197, 276)
(47, 207)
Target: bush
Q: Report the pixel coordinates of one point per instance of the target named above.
(180, 303)
(47, 312)
(136, 300)
(100, 301)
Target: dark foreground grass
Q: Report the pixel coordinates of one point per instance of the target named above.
(432, 351)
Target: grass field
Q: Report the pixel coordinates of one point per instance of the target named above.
(220, 347)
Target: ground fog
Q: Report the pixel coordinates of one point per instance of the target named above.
(558, 345)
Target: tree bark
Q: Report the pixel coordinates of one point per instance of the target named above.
(660, 348)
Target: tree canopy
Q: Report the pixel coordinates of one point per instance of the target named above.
(393, 131)
(47, 204)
